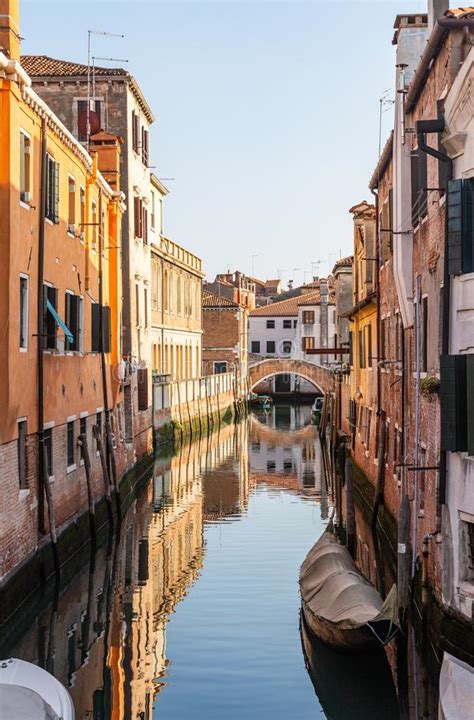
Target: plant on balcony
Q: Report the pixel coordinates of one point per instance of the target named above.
(430, 386)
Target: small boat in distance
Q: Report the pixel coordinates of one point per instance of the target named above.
(339, 605)
(316, 409)
(28, 692)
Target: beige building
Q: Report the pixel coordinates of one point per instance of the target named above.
(176, 288)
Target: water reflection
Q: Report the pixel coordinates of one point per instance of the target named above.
(195, 603)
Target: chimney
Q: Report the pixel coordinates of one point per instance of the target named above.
(10, 28)
(107, 147)
(436, 10)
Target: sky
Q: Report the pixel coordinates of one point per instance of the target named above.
(267, 115)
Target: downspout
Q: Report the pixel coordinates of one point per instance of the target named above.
(377, 290)
(40, 330)
(422, 128)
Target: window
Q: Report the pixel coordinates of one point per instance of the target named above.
(419, 205)
(460, 226)
(351, 348)
(270, 324)
(295, 323)
(255, 346)
(71, 218)
(25, 168)
(153, 211)
(457, 403)
(48, 447)
(23, 312)
(307, 343)
(21, 445)
(469, 535)
(145, 226)
(52, 189)
(138, 217)
(70, 444)
(308, 317)
(145, 146)
(271, 466)
(286, 324)
(361, 349)
(422, 477)
(95, 317)
(145, 306)
(424, 336)
(82, 201)
(270, 346)
(137, 304)
(135, 132)
(85, 117)
(142, 379)
(287, 347)
(220, 367)
(50, 295)
(74, 320)
(369, 345)
(83, 431)
(94, 227)
(288, 466)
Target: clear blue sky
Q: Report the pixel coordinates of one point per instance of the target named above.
(267, 114)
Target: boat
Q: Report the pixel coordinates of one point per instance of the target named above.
(264, 401)
(340, 606)
(347, 687)
(27, 692)
(456, 689)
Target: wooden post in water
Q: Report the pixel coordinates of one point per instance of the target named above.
(379, 487)
(403, 557)
(350, 505)
(113, 465)
(105, 473)
(82, 442)
(51, 514)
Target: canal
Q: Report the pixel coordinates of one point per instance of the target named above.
(192, 608)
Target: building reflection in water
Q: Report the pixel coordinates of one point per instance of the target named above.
(286, 453)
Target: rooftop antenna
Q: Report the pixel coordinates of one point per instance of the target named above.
(384, 103)
(294, 271)
(316, 263)
(280, 272)
(89, 99)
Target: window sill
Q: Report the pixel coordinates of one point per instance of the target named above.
(71, 234)
(23, 349)
(25, 205)
(71, 468)
(23, 493)
(51, 478)
(48, 221)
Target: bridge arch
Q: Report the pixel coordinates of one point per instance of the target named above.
(322, 378)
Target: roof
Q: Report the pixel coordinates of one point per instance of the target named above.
(43, 66)
(363, 210)
(212, 300)
(461, 12)
(382, 164)
(289, 307)
(156, 182)
(345, 262)
(272, 283)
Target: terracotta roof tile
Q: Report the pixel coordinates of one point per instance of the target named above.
(286, 308)
(212, 300)
(44, 66)
(461, 12)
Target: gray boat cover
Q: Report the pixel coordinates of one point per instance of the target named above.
(334, 589)
(456, 689)
(22, 703)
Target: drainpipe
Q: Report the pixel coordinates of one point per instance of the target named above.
(422, 128)
(377, 289)
(40, 330)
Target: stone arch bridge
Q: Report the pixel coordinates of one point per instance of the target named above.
(321, 377)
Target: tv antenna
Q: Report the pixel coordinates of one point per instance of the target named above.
(89, 58)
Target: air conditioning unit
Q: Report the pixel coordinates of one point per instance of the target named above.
(25, 196)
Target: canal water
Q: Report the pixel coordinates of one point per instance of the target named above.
(192, 609)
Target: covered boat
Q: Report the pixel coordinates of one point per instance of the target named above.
(456, 689)
(27, 692)
(340, 606)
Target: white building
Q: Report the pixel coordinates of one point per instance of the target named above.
(289, 328)
(458, 587)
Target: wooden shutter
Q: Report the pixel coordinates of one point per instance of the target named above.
(95, 329)
(142, 379)
(56, 192)
(72, 320)
(106, 327)
(145, 226)
(470, 402)
(453, 403)
(143, 561)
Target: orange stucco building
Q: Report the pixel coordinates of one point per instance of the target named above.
(60, 230)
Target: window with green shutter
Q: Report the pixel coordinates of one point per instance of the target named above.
(461, 226)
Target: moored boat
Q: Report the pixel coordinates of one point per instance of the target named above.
(340, 606)
(27, 692)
